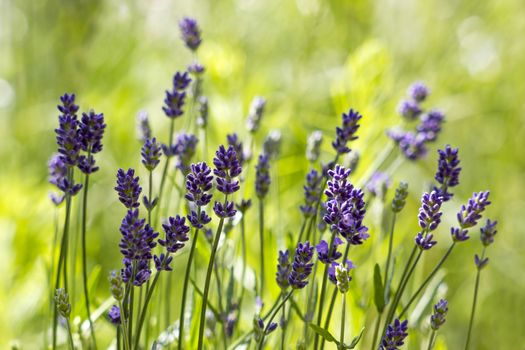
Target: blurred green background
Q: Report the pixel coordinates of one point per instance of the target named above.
(312, 59)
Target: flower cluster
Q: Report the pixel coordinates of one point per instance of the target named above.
(174, 100)
(326, 254)
(198, 183)
(227, 168)
(90, 133)
(128, 188)
(176, 235)
(301, 266)
(448, 171)
(190, 33)
(345, 207)
(67, 134)
(236, 143)
(469, 215)
(58, 176)
(272, 144)
(62, 303)
(413, 143)
(429, 218)
(438, 317)
(186, 145)
(151, 152)
(347, 131)
(399, 200)
(395, 335)
(262, 176)
(312, 192)
(255, 114)
(339, 274)
(283, 269)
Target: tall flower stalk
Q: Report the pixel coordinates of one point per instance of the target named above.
(262, 185)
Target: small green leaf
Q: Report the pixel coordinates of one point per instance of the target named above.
(379, 289)
(356, 340)
(323, 333)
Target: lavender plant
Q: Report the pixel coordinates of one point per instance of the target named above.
(334, 224)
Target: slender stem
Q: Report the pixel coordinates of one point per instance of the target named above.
(118, 338)
(261, 245)
(390, 243)
(124, 327)
(474, 302)
(165, 170)
(69, 335)
(432, 338)
(261, 341)
(84, 259)
(131, 302)
(342, 337)
(301, 232)
(150, 190)
(283, 326)
(185, 288)
(428, 279)
(142, 316)
(243, 253)
(61, 259)
(221, 307)
(207, 283)
(376, 330)
(399, 290)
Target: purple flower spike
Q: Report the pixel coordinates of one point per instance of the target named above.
(418, 91)
(347, 131)
(395, 335)
(90, 131)
(198, 220)
(262, 176)
(68, 106)
(67, 133)
(137, 240)
(198, 183)
(176, 234)
(438, 317)
(301, 266)
(412, 145)
(448, 171)
(186, 145)
(151, 152)
(283, 269)
(469, 215)
(162, 262)
(190, 33)
(488, 232)
(174, 100)
(58, 171)
(327, 255)
(224, 210)
(430, 125)
(429, 212)
(312, 191)
(226, 169)
(128, 188)
(409, 109)
(114, 315)
(332, 270)
(235, 142)
(425, 242)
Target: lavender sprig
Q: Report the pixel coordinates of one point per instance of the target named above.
(347, 131)
(448, 171)
(190, 33)
(395, 335)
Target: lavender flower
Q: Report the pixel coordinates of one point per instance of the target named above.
(283, 269)
(151, 152)
(226, 169)
(272, 144)
(262, 176)
(115, 285)
(244, 205)
(202, 117)
(448, 171)
(226, 210)
(174, 100)
(438, 317)
(411, 145)
(259, 328)
(114, 315)
(409, 109)
(312, 191)
(418, 91)
(328, 255)
(429, 212)
(196, 69)
(185, 150)
(488, 232)
(480, 262)
(198, 183)
(301, 266)
(137, 240)
(313, 146)
(430, 125)
(176, 234)
(67, 134)
(58, 176)
(255, 114)
(345, 207)
(342, 276)
(90, 131)
(235, 142)
(128, 188)
(395, 335)
(143, 126)
(378, 184)
(62, 303)
(332, 275)
(190, 33)
(469, 215)
(398, 203)
(162, 262)
(347, 131)
(425, 242)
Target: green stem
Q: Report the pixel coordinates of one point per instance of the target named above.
(142, 316)
(283, 326)
(207, 282)
(342, 337)
(261, 245)
(321, 299)
(124, 327)
(61, 258)
(428, 279)
(165, 170)
(150, 190)
(185, 288)
(261, 341)
(390, 244)
(69, 335)
(376, 330)
(84, 259)
(474, 302)
(431, 341)
(243, 253)
(131, 303)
